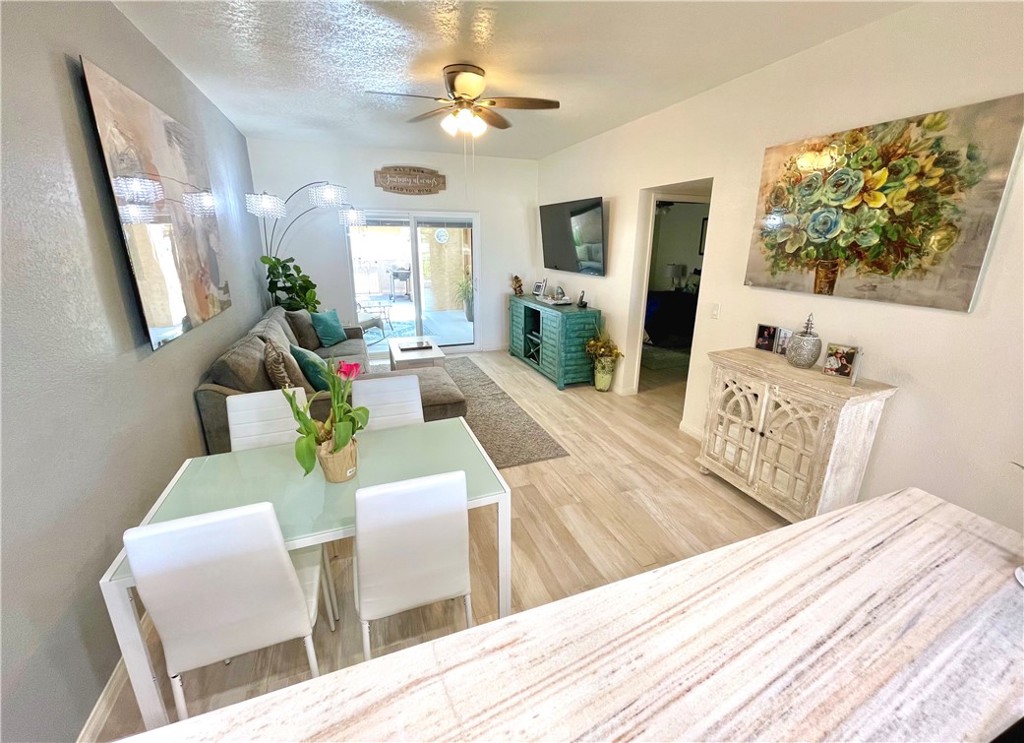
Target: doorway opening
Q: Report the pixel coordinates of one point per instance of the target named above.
(414, 275)
(678, 240)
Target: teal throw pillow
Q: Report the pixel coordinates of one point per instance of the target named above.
(313, 367)
(328, 327)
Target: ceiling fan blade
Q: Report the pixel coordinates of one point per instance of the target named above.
(407, 95)
(493, 119)
(534, 103)
(429, 114)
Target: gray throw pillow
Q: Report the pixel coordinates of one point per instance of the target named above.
(241, 367)
(302, 325)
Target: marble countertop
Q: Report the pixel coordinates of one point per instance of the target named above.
(894, 619)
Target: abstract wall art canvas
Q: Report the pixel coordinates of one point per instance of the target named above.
(160, 182)
(901, 211)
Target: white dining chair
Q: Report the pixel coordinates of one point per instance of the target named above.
(392, 401)
(221, 584)
(411, 547)
(259, 419)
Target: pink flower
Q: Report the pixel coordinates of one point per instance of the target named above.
(348, 371)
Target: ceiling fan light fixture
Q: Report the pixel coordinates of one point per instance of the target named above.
(450, 124)
(469, 84)
(464, 118)
(463, 110)
(477, 126)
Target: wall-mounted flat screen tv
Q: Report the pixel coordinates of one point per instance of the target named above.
(572, 236)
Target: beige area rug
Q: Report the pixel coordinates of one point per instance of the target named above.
(655, 358)
(507, 432)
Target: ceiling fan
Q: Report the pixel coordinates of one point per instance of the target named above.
(466, 110)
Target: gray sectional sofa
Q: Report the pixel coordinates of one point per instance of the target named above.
(241, 369)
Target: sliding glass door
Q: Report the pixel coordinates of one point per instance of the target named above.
(415, 275)
(445, 279)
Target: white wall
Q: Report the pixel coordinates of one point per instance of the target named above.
(95, 422)
(955, 424)
(501, 190)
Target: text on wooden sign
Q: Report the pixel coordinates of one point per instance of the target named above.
(409, 180)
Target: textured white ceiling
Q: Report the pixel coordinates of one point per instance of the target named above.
(298, 70)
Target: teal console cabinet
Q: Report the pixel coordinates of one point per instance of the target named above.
(553, 338)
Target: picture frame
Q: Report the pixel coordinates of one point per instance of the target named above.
(765, 339)
(782, 337)
(539, 287)
(703, 234)
(160, 185)
(900, 211)
(841, 360)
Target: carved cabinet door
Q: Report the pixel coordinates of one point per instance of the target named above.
(795, 435)
(794, 440)
(734, 417)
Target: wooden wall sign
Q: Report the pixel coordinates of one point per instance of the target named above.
(409, 180)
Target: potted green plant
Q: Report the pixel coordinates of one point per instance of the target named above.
(604, 353)
(288, 286)
(333, 441)
(464, 294)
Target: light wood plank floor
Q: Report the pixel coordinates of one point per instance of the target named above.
(627, 499)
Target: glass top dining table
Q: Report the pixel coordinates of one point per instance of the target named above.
(310, 510)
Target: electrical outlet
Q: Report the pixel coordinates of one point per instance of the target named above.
(716, 310)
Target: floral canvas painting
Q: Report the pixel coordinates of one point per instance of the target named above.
(161, 185)
(901, 211)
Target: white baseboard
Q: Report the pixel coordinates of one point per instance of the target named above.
(482, 349)
(697, 433)
(97, 720)
(104, 705)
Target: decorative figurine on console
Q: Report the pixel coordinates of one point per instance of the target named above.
(581, 302)
(804, 348)
(517, 285)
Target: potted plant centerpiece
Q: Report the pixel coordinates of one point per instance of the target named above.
(332, 442)
(604, 353)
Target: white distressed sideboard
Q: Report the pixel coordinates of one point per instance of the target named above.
(793, 439)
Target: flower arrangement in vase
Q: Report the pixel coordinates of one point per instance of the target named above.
(332, 442)
(884, 199)
(604, 353)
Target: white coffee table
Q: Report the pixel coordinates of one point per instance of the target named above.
(411, 359)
